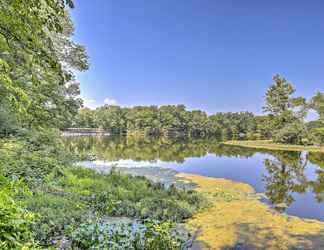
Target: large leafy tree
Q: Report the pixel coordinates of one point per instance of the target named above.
(286, 112)
(36, 58)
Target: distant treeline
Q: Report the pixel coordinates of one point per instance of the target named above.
(169, 120)
(283, 121)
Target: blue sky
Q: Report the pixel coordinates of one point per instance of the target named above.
(207, 54)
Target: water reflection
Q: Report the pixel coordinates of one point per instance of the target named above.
(150, 149)
(285, 176)
(292, 181)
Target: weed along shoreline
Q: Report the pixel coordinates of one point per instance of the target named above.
(234, 216)
(268, 144)
(237, 219)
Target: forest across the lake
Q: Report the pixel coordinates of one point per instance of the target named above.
(284, 119)
(50, 198)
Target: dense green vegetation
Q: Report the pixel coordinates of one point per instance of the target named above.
(36, 93)
(15, 220)
(45, 200)
(284, 119)
(71, 196)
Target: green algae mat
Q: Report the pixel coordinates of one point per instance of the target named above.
(236, 217)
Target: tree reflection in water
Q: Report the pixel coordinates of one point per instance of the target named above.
(284, 176)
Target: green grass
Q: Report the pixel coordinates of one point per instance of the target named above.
(268, 144)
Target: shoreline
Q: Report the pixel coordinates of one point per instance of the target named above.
(268, 144)
(237, 218)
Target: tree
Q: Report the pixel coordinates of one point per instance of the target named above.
(294, 132)
(35, 80)
(197, 123)
(111, 118)
(285, 112)
(85, 118)
(278, 96)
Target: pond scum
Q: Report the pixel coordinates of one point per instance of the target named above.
(237, 219)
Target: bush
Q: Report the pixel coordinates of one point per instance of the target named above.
(55, 214)
(72, 195)
(118, 194)
(32, 157)
(17, 161)
(15, 220)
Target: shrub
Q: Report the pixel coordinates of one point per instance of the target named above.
(55, 214)
(75, 194)
(30, 159)
(118, 194)
(15, 220)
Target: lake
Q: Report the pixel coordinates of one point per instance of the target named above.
(292, 182)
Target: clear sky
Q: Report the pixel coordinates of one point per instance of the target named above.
(215, 55)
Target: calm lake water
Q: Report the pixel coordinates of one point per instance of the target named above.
(293, 182)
